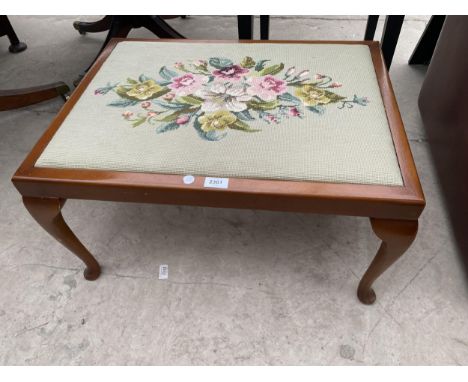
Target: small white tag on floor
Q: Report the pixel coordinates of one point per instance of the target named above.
(163, 272)
(216, 182)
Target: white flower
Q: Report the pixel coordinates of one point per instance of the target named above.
(224, 97)
(290, 71)
(303, 74)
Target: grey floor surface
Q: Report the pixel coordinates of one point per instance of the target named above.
(244, 287)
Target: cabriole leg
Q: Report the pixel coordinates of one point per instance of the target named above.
(47, 212)
(397, 236)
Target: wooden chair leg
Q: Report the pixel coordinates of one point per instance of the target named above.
(6, 29)
(264, 27)
(371, 26)
(47, 212)
(390, 34)
(245, 27)
(159, 27)
(397, 236)
(120, 26)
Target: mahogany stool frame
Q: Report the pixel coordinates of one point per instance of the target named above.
(393, 210)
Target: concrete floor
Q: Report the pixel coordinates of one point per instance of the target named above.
(244, 287)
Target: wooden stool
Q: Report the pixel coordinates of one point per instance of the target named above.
(302, 126)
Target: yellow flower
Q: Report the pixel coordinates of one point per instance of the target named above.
(142, 90)
(247, 62)
(311, 95)
(219, 120)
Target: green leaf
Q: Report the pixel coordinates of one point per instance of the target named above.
(363, 101)
(139, 121)
(132, 81)
(174, 115)
(299, 83)
(318, 109)
(143, 78)
(163, 83)
(191, 100)
(170, 117)
(288, 97)
(244, 115)
(333, 97)
(220, 62)
(239, 125)
(272, 70)
(122, 103)
(260, 65)
(167, 127)
(170, 105)
(262, 105)
(167, 74)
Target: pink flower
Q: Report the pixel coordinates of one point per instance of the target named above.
(146, 104)
(319, 76)
(187, 84)
(233, 72)
(335, 85)
(270, 118)
(182, 120)
(127, 114)
(152, 114)
(293, 112)
(178, 65)
(267, 87)
(169, 96)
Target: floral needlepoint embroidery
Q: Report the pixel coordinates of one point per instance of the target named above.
(266, 88)
(140, 90)
(219, 120)
(217, 95)
(233, 72)
(182, 120)
(247, 62)
(187, 84)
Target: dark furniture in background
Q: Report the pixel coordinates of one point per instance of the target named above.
(7, 30)
(422, 54)
(15, 98)
(121, 25)
(245, 25)
(424, 49)
(389, 41)
(443, 104)
(390, 35)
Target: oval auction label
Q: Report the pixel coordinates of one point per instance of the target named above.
(189, 179)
